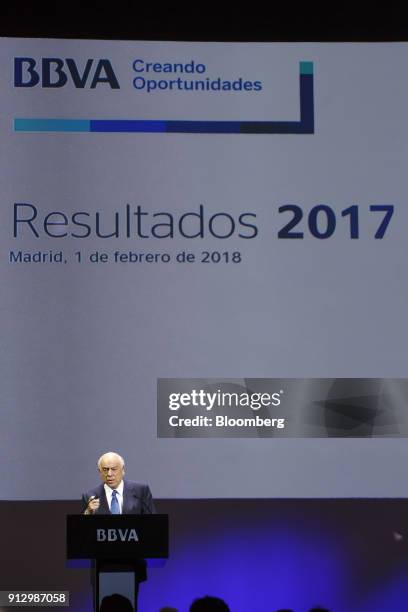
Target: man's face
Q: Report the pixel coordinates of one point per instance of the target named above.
(111, 470)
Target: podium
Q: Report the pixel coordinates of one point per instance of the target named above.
(117, 545)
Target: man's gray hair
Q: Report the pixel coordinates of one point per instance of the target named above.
(121, 459)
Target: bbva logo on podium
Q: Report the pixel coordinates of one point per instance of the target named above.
(116, 535)
(54, 72)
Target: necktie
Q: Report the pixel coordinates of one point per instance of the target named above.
(114, 503)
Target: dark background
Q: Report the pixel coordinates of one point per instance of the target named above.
(127, 19)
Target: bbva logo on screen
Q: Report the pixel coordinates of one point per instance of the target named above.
(57, 72)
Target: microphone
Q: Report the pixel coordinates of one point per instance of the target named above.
(92, 498)
(88, 510)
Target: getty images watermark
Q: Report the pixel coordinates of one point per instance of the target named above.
(276, 407)
(222, 399)
(224, 409)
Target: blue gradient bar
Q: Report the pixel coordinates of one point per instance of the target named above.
(203, 127)
(306, 103)
(127, 125)
(304, 126)
(51, 125)
(306, 68)
(306, 123)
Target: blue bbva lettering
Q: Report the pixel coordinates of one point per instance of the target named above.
(55, 72)
(139, 65)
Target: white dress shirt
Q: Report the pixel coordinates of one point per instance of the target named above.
(119, 496)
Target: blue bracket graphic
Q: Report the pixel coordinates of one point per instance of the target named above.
(304, 126)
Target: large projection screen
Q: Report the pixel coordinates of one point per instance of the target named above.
(203, 216)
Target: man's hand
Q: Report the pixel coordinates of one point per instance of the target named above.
(93, 505)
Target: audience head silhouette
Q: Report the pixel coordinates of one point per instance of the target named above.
(209, 604)
(116, 603)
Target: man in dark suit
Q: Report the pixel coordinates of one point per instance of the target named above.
(118, 496)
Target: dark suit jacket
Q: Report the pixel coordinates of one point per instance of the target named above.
(137, 499)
